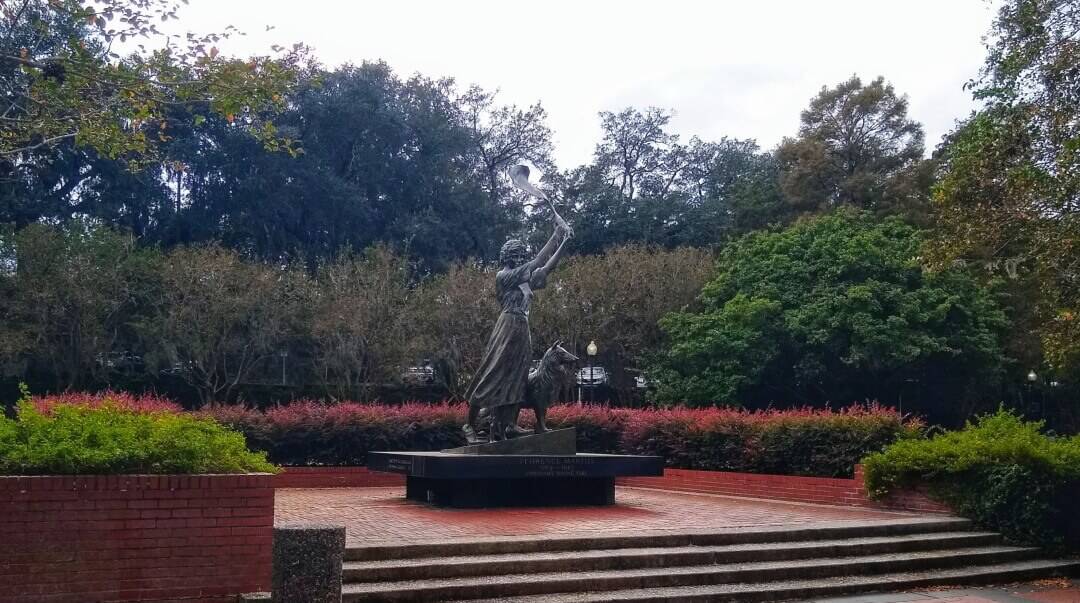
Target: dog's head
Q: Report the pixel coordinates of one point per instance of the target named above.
(558, 355)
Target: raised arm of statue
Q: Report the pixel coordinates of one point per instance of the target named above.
(548, 249)
(538, 280)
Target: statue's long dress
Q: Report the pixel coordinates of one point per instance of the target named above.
(504, 370)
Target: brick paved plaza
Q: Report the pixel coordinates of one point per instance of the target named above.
(382, 514)
(376, 517)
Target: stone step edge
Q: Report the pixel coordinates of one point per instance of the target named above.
(424, 590)
(809, 589)
(512, 563)
(539, 543)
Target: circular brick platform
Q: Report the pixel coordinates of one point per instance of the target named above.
(373, 515)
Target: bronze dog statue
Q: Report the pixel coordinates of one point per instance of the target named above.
(545, 383)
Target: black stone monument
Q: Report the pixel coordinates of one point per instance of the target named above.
(533, 470)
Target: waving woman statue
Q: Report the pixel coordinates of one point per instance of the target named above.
(499, 383)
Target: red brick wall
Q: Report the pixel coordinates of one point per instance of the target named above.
(823, 490)
(335, 477)
(134, 537)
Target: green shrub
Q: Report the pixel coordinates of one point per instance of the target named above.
(73, 439)
(1003, 472)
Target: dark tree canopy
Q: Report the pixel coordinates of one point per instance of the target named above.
(644, 186)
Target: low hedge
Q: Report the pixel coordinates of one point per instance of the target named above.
(1001, 471)
(105, 437)
(811, 442)
(310, 433)
(807, 442)
(793, 442)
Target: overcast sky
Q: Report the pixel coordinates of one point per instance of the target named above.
(740, 68)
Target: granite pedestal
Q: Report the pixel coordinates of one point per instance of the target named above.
(488, 475)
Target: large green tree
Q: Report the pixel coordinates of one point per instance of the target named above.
(856, 147)
(1008, 192)
(838, 309)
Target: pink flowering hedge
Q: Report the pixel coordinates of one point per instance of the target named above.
(819, 442)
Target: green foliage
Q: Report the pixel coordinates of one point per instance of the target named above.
(218, 316)
(617, 298)
(1006, 194)
(75, 293)
(716, 356)
(856, 147)
(831, 308)
(1001, 471)
(112, 440)
(64, 82)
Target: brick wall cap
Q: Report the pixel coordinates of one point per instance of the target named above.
(307, 526)
(118, 475)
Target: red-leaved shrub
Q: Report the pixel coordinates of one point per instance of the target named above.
(805, 441)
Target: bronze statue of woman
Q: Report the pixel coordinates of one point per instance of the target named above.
(499, 383)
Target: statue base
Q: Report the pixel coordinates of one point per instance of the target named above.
(558, 441)
(484, 475)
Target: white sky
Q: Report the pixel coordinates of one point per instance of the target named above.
(741, 68)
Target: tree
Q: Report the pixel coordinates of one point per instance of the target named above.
(617, 298)
(219, 318)
(645, 187)
(73, 297)
(1008, 190)
(385, 161)
(453, 314)
(856, 147)
(361, 330)
(62, 80)
(834, 309)
(503, 136)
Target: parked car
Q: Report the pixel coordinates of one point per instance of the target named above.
(593, 376)
(120, 361)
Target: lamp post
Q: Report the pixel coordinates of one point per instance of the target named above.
(591, 350)
(1032, 377)
(284, 354)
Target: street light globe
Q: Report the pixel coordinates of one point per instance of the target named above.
(591, 349)
(1032, 377)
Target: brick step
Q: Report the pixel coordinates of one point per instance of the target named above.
(515, 585)
(653, 557)
(536, 544)
(811, 589)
